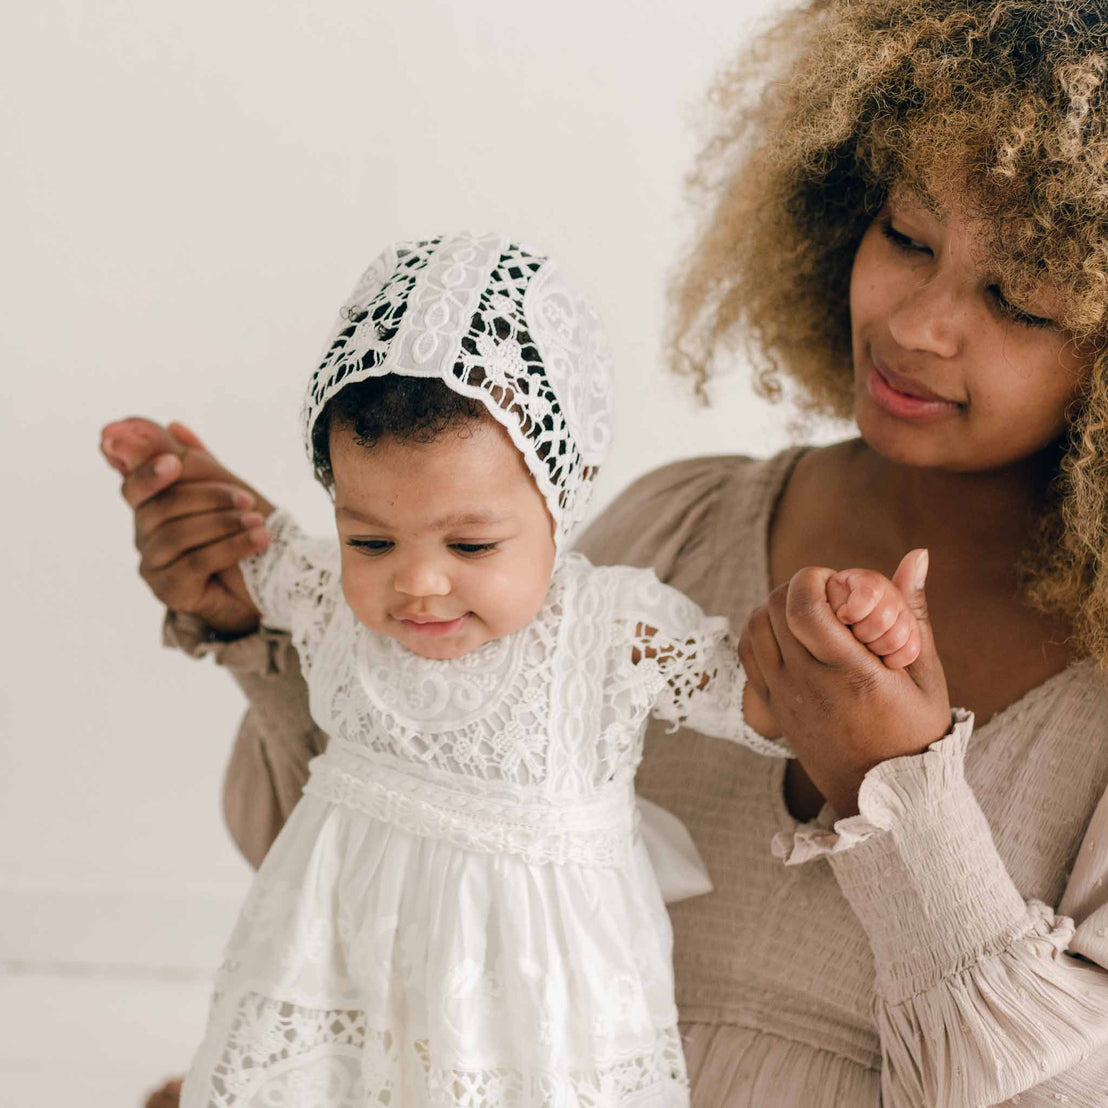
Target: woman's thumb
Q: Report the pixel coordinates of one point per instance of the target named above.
(911, 578)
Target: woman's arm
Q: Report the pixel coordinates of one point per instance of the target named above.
(979, 1000)
(980, 997)
(190, 538)
(276, 737)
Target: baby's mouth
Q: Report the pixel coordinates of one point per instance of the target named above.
(426, 625)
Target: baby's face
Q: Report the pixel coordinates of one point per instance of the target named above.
(445, 545)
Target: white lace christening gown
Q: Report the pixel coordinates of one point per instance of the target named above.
(458, 913)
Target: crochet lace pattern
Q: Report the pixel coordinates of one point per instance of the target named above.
(495, 322)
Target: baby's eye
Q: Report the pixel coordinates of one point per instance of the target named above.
(1018, 315)
(370, 546)
(902, 241)
(473, 548)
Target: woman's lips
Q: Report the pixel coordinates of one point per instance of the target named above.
(432, 626)
(920, 409)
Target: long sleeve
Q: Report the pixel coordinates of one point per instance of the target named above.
(276, 736)
(982, 998)
(296, 584)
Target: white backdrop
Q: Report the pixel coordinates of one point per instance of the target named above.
(189, 190)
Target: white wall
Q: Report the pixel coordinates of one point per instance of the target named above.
(189, 190)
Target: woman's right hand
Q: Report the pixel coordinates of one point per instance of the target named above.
(194, 521)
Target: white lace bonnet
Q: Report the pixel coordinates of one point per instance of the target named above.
(495, 322)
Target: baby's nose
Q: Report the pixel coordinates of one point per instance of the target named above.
(421, 577)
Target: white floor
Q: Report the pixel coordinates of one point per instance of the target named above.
(104, 992)
(75, 1037)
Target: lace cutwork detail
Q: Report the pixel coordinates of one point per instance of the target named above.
(500, 324)
(483, 716)
(464, 814)
(280, 1055)
(548, 715)
(297, 587)
(368, 323)
(527, 337)
(693, 680)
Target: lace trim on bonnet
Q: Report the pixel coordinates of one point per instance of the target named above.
(496, 322)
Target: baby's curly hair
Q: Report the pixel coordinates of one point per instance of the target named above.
(1003, 99)
(407, 409)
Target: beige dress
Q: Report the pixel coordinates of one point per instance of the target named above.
(921, 953)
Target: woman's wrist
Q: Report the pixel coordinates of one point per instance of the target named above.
(196, 637)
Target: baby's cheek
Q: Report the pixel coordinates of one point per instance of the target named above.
(513, 600)
(359, 591)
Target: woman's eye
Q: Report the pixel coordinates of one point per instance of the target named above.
(370, 546)
(1017, 315)
(902, 241)
(473, 548)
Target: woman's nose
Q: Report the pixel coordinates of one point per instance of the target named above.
(421, 576)
(928, 319)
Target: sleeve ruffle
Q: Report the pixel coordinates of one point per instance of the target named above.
(890, 792)
(979, 1000)
(263, 652)
(1024, 1024)
(296, 583)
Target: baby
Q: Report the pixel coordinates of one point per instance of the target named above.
(459, 911)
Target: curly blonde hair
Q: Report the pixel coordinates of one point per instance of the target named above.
(1007, 100)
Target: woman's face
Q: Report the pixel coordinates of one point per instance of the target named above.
(948, 372)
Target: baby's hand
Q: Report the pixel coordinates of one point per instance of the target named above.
(875, 610)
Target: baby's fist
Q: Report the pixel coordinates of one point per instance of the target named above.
(878, 614)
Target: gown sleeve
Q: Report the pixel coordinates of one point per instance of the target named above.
(687, 662)
(982, 998)
(657, 521)
(296, 584)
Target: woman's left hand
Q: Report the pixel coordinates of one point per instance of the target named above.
(842, 710)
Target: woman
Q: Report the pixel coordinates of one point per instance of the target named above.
(912, 225)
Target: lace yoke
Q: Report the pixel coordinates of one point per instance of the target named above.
(528, 744)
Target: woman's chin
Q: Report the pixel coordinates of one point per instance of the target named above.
(901, 442)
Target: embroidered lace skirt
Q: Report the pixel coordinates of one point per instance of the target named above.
(374, 966)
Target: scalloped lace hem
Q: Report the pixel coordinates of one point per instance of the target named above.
(278, 1054)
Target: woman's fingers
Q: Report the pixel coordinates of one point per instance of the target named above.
(759, 652)
(187, 498)
(805, 623)
(181, 583)
(150, 478)
(179, 537)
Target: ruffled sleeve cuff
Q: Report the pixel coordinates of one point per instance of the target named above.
(919, 867)
(261, 653)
